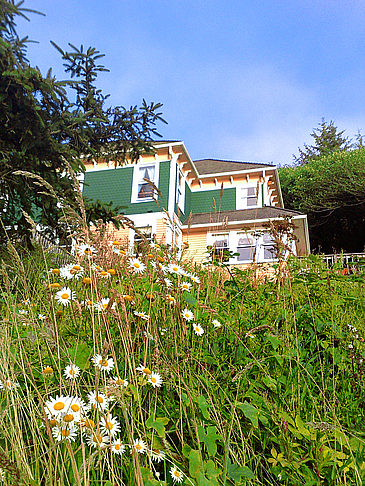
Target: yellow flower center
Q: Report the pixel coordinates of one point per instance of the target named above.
(103, 362)
(97, 439)
(109, 425)
(146, 371)
(98, 268)
(86, 280)
(117, 447)
(100, 399)
(150, 255)
(136, 265)
(105, 305)
(75, 407)
(89, 424)
(68, 418)
(48, 370)
(65, 433)
(153, 379)
(87, 251)
(76, 267)
(59, 406)
(111, 271)
(103, 273)
(138, 447)
(65, 296)
(177, 474)
(116, 243)
(119, 382)
(128, 298)
(72, 372)
(54, 285)
(160, 259)
(55, 271)
(53, 422)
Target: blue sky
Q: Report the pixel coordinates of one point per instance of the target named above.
(239, 80)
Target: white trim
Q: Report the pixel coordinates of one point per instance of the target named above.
(247, 221)
(135, 180)
(232, 173)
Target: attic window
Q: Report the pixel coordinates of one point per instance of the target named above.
(247, 197)
(145, 177)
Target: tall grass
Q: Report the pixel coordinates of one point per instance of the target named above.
(272, 396)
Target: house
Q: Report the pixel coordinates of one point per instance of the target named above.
(225, 205)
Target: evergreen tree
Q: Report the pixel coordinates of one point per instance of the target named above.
(327, 139)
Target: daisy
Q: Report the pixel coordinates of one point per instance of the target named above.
(48, 370)
(109, 425)
(54, 271)
(155, 380)
(176, 474)
(9, 385)
(62, 433)
(65, 295)
(139, 446)
(69, 419)
(187, 315)
(120, 382)
(54, 285)
(100, 306)
(86, 250)
(97, 400)
(157, 455)
(185, 286)
(137, 266)
(104, 274)
(71, 372)
(86, 281)
(171, 299)
(111, 271)
(174, 268)
(216, 324)
(142, 315)
(146, 372)
(97, 440)
(199, 331)
(22, 312)
(89, 304)
(167, 282)
(194, 278)
(117, 447)
(55, 407)
(76, 406)
(103, 364)
(128, 298)
(162, 330)
(42, 317)
(65, 272)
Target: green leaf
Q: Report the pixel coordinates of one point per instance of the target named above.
(250, 412)
(301, 427)
(190, 299)
(203, 405)
(209, 438)
(195, 463)
(237, 472)
(157, 424)
(148, 479)
(80, 355)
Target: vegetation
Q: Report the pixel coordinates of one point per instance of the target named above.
(329, 186)
(50, 126)
(121, 369)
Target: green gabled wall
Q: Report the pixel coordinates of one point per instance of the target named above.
(116, 185)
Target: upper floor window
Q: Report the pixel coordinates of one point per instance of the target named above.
(144, 178)
(180, 190)
(247, 197)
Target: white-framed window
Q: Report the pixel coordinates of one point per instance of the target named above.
(143, 176)
(142, 234)
(247, 197)
(180, 190)
(246, 247)
(219, 244)
(269, 247)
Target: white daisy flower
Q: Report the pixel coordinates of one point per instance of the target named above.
(142, 315)
(168, 282)
(22, 312)
(109, 425)
(65, 295)
(216, 323)
(65, 272)
(185, 286)
(176, 474)
(174, 268)
(194, 278)
(69, 419)
(120, 382)
(199, 331)
(76, 406)
(103, 364)
(187, 315)
(64, 433)
(71, 372)
(97, 440)
(171, 299)
(55, 407)
(100, 306)
(154, 245)
(162, 330)
(117, 447)
(146, 372)
(137, 266)
(97, 400)
(157, 455)
(86, 250)
(139, 446)
(9, 385)
(42, 317)
(90, 304)
(155, 380)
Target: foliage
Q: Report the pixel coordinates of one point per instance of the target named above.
(46, 134)
(331, 190)
(271, 394)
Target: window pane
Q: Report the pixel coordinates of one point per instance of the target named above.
(220, 241)
(245, 240)
(245, 253)
(252, 201)
(269, 252)
(268, 238)
(147, 173)
(145, 190)
(251, 191)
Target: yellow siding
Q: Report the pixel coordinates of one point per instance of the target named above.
(161, 231)
(121, 235)
(197, 249)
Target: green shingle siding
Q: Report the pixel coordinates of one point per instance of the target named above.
(210, 201)
(116, 185)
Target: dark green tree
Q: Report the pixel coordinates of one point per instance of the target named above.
(49, 127)
(327, 139)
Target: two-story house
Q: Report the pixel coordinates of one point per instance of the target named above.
(203, 203)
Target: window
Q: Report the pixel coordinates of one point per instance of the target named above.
(247, 197)
(269, 246)
(143, 190)
(180, 190)
(144, 233)
(220, 247)
(246, 247)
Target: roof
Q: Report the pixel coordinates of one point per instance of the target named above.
(216, 166)
(267, 212)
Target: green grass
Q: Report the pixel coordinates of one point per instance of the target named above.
(274, 396)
